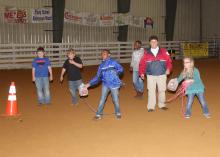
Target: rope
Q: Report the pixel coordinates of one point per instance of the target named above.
(92, 108)
(180, 93)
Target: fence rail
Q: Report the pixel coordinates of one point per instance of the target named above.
(20, 56)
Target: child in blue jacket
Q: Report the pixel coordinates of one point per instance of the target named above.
(108, 72)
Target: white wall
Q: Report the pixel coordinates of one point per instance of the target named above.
(148, 8)
(211, 19)
(79, 33)
(187, 24)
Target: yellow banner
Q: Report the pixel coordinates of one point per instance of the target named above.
(195, 49)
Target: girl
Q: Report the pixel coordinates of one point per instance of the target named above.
(191, 75)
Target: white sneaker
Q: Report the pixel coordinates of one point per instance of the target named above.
(187, 116)
(207, 116)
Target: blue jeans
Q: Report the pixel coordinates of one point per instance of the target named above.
(73, 87)
(202, 102)
(43, 90)
(138, 82)
(115, 99)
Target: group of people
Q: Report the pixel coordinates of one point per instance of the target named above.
(154, 63)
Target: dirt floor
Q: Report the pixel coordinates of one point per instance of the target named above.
(62, 130)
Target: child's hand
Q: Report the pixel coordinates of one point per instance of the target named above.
(33, 79)
(61, 78)
(87, 85)
(51, 78)
(190, 81)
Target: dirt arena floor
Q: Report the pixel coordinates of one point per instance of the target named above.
(62, 130)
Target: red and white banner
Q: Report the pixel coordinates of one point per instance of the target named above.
(14, 15)
(73, 17)
(44, 15)
(106, 20)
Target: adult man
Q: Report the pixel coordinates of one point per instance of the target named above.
(156, 64)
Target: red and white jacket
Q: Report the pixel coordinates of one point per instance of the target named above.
(155, 66)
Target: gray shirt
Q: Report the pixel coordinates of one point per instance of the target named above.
(136, 57)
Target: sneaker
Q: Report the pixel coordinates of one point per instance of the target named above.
(75, 104)
(97, 117)
(150, 110)
(164, 108)
(187, 116)
(118, 116)
(207, 116)
(139, 95)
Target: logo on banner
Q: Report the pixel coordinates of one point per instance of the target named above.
(14, 15)
(148, 22)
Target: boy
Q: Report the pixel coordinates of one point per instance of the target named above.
(156, 64)
(108, 72)
(40, 68)
(72, 67)
(136, 57)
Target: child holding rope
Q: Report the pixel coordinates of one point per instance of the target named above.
(108, 72)
(196, 88)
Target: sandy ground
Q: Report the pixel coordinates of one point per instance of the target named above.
(62, 130)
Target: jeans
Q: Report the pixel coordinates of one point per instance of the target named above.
(138, 82)
(73, 87)
(43, 90)
(202, 102)
(115, 99)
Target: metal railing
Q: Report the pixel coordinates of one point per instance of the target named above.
(20, 56)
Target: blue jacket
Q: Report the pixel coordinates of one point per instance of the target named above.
(108, 72)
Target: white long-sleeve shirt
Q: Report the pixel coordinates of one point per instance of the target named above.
(136, 57)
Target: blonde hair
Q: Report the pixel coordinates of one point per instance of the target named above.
(188, 72)
(71, 51)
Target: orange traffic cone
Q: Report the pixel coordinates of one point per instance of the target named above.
(12, 108)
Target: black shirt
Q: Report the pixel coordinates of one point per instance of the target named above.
(73, 72)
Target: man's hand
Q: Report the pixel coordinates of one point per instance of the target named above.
(167, 72)
(131, 69)
(142, 76)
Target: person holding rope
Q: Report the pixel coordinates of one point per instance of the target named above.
(190, 75)
(108, 72)
(156, 64)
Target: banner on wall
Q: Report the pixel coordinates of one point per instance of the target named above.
(44, 15)
(106, 20)
(90, 19)
(73, 17)
(148, 22)
(137, 21)
(41, 15)
(14, 15)
(195, 49)
(122, 19)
